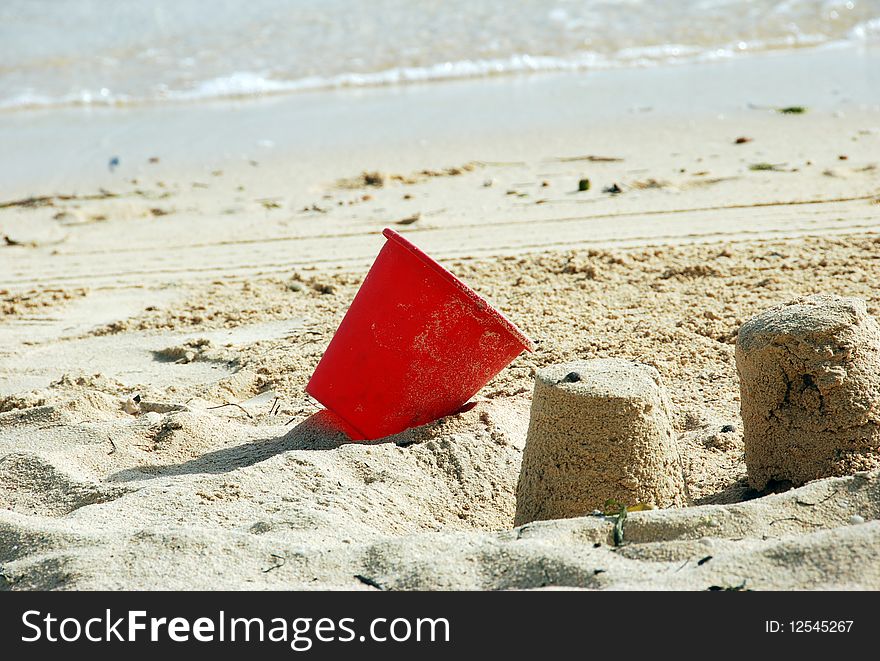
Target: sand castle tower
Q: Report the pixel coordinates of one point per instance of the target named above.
(809, 375)
(599, 430)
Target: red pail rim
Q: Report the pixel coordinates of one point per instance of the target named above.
(473, 296)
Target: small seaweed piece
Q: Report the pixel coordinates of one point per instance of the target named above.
(763, 167)
(791, 110)
(703, 561)
(409, 220)
(612, 507)
(728, 588)
(366, 580)
(376, 179)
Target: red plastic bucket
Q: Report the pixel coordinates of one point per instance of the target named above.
(415, 345)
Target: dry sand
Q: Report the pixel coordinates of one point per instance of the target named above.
(155, 341)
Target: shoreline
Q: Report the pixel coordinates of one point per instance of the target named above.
(398, 127)
(513, 67)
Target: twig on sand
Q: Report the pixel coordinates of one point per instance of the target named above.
(590, 157)
(499, 163)
(275, 562)
(49, 200)
(42, 201)
(618, 527)
(272, 410)
(13, 242)
(239, 406)
(310, 401)
(818, 502)
(113, 445)
(369, 581)
(794, 518)
(32, 244)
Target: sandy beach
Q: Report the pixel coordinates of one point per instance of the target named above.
(159, 320)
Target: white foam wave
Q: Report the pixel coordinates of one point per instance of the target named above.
(866, 31)
(245, 84)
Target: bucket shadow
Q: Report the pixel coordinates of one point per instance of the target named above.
(320, 431)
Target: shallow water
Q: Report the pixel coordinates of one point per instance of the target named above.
(119, 52)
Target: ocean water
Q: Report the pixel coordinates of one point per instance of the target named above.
(122, 52)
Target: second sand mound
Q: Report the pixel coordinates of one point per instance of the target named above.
(810, 380)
